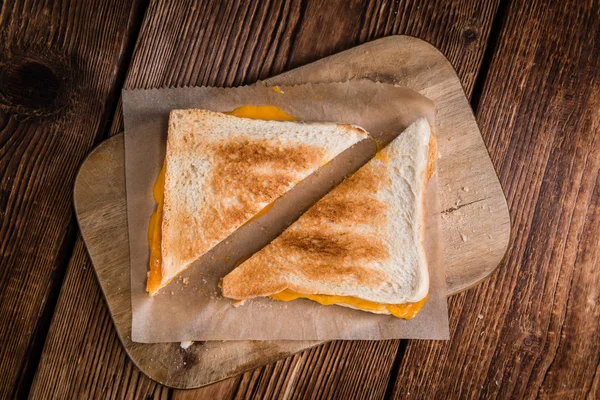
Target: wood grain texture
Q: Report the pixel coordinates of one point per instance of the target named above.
(234, 45)
(78, 366)
(341, 369)
(534, 329)
(58, 65)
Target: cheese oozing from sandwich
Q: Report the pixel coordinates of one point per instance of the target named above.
(405, 311)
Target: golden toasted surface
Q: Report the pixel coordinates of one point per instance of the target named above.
(249, 172)
(331, 246)
(353, 202)
(262, 169)
(323, 244)
(364, 239)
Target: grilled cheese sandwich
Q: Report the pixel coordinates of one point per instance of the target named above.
(360, 246)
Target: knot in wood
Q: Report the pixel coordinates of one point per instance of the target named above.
(469, 35)
(30, 84)
(33, 86)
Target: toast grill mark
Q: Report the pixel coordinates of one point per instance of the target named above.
(343, 251)
(349, 211)
(353, 202)
(330, 245)
(323, 255)
(324, 245)
(252, 172)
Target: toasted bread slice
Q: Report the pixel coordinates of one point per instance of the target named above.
(361, 245)
(221, 170)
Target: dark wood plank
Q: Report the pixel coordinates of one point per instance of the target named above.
(534, 329)
(79, 366)
(58, 84)
(320, 371)
(218, 43)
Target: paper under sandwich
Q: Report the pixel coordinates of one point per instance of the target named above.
(360, 246)
(222, 170)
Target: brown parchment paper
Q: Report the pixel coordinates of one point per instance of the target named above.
(191, 307)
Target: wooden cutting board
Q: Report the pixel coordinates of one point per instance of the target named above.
(475, 219)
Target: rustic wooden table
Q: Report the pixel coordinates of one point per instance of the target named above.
(530, 69)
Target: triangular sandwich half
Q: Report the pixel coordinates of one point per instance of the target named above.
(361, 245)
(221, 170)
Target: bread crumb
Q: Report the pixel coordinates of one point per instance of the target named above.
(465, 189)
(186, 344)
(480, 316)
(185, 281)
(463, 237)
(237, 303)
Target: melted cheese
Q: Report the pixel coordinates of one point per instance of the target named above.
(271, 113)
(155, 234)
(260, 213)
(268, 113)
(379, 155)
(405, 311)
